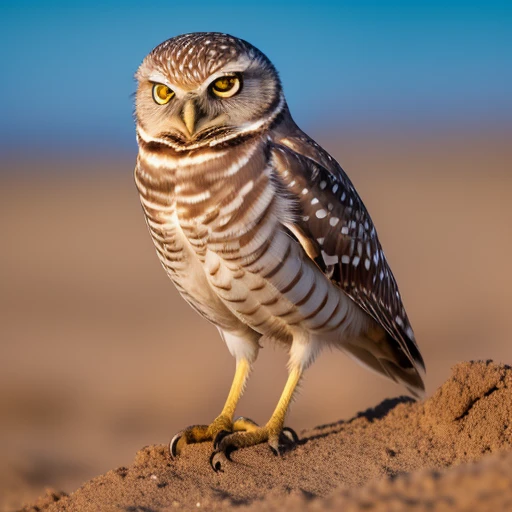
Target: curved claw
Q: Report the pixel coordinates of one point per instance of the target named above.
(173, 445)
(273, 444)
(227, 442)
(218, 457)
(290, 435)
(219, 437)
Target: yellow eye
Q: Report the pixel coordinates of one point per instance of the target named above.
(226, 86)
(162, 94)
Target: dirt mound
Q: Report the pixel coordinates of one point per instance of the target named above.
(352, 464)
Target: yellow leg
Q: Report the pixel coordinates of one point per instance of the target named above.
(270, 433)
(223, 422)
(276, 421)
(243, 369)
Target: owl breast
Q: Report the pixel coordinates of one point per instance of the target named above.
(218, 222)
(155, 178)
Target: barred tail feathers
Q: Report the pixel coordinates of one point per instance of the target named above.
(381, 353)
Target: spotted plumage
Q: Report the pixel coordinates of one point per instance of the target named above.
(194, 58)
(258, 227)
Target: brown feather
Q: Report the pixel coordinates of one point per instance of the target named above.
(332, 216)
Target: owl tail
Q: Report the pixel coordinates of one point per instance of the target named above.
(384, 355)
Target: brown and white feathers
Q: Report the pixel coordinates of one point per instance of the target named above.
(259, 228)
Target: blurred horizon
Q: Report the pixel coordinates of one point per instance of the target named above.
(353, 66)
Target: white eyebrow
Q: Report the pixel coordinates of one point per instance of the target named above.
(159, 78)
(237, 66)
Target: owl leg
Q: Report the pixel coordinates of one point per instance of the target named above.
(303, 351)
(245, 349)
(223, 422)
(273, 432)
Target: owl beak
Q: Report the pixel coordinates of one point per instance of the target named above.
(189, 116)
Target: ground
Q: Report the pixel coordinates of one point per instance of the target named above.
(387, 457)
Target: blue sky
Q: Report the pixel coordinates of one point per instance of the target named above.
(67, 68)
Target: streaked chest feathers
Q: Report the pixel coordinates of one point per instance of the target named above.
(220, 216)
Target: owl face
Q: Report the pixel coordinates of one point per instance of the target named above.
(199, 89)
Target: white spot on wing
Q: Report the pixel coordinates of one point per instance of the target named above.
(329, 260)
(333, 221)
(321, 213)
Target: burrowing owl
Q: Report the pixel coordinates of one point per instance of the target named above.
(259, 228)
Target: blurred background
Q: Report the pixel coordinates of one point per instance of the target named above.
(98, 354)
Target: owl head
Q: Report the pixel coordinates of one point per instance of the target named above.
(204, 88)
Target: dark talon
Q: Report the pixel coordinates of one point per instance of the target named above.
(274, 451)
(215, 464)
(219, 437)
(218, 456)
(274, 446)
(174, 444)
(290, 435)
(228, 450)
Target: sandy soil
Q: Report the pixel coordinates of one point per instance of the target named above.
(345, 465)
(99, 355)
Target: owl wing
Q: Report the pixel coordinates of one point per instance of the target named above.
(341, 237)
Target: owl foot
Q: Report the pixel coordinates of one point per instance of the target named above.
(226, 443)
(222, 425)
